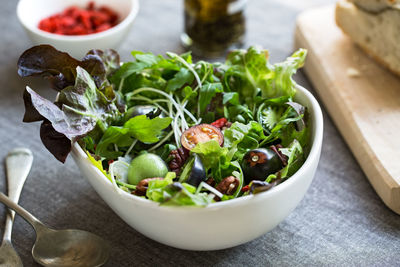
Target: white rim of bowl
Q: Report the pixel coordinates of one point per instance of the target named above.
(131, 16)
(316, 146)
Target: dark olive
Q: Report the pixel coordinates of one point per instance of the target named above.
(260, 186)
(197, 173)
(257, 164)
(148, 110)
(200, 134)
(175, 187)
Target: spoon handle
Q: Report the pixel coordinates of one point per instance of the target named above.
(38, 225)
(18, 165)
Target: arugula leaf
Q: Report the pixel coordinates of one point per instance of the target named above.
(147, 58)
(231, 97)
(182, 77)
(295, 156)
(188, 93)
(126, 70)
(240, 113)
(239, 175)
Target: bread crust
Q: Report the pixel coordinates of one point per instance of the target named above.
(363, 46)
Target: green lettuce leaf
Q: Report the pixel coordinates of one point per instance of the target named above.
(282, 83)
(249, 73)
(98, 165)
(240, 138)
(214, 158)
(169, 193)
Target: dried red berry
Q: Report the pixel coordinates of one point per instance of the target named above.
(219, 123)
(80, 21)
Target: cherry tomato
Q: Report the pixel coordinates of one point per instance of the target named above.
(200, 134)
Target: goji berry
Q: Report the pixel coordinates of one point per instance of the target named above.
(220, 123)
(78, 21)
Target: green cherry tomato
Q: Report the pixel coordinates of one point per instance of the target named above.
(146, 166)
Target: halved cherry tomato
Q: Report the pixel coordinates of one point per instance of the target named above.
(200, 134)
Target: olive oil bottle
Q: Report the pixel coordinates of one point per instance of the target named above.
(213, 26)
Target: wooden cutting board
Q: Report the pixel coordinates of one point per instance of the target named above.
(362, 97)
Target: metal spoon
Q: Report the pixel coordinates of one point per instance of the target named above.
(62, 248)
(18, 165)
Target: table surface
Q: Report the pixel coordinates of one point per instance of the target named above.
(340, 221)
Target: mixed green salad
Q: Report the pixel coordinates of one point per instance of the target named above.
(170, 130)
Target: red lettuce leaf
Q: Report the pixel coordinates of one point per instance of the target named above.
(57, 143)
(60, 68)
(77, 111)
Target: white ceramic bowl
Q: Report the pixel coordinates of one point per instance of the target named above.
(30, 12)
(219, 225)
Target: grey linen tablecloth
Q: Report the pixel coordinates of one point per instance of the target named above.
(341, 221)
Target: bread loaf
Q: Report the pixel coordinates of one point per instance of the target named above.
(376, 32)
(376, 6)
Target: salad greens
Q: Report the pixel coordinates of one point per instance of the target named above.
(238, 117)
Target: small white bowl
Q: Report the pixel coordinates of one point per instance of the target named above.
(30, 12)
(219, 225)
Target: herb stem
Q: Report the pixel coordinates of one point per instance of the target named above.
(162, 141)
(131, 147)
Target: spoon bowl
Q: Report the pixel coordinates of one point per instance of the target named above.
(69, 248)
(62, 248)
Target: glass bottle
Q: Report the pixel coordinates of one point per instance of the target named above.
(213, 26)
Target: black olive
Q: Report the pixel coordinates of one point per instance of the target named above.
(260, 186)
(257, 164)
(175, 187)
(197, 173)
